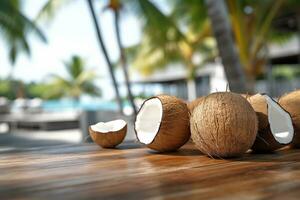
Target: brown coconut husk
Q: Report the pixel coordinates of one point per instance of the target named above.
(224, 125)
(174, 130)
(193, 104)
(259, 104)
(109, 139)
(291, 103)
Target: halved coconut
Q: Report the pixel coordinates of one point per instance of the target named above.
(275, 127)
(193, 104)
(223, 125)
(291, 103)
(108, 134)
(162, 123)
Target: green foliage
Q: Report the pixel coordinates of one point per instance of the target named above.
(253, 31)
(78, 81)
(39, 90)
(286, 72)
(159, 43)
(5, 89)
(169, 38)
(11, 88)
(190, 14)
(50, 8)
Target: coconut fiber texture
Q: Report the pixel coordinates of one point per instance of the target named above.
(174, 130)
(224, 125)
(291, 103)
(110, 139)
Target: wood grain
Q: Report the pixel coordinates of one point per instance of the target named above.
(133, 172)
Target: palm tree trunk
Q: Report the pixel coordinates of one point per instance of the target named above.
(123, 61)
(218, 15)
(104, 51)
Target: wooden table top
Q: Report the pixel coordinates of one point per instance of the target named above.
(132, 172)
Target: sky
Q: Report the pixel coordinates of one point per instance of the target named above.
(70, 32)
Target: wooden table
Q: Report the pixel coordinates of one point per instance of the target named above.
(132, 172)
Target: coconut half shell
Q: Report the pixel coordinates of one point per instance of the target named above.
(274, 124)
(223, 125)
(162, 123)
(109, 134)
(291, 103)
(265, 142)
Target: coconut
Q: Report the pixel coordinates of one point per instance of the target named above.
(224, 125)
(259, 104)
(247, 95)
(193, 104)
(162, 123)
(291, 103)
(109, 134)
(275, 128)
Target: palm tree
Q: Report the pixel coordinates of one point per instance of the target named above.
(218, 14)
(15, 28)
(104, 51)
(115, 6)
(78, 81)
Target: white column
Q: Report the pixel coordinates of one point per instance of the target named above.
(191, 89)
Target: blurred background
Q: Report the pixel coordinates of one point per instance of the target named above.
(66, 64)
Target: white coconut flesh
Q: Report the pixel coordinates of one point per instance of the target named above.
(280, 122)
(111, 126)
(148, 120)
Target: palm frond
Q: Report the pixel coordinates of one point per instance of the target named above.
(85, 77)
(265, 26)
(78, 82)
(189, 14)
(160, 28)
(50, 9)
(74, 66)
(15, 28)
(91, 89)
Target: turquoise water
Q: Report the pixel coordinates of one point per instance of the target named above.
(62, 105)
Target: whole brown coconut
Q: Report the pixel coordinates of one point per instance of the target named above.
(224, 125)
(193, 104)
(108, 136)
(162, 123)
(291, 103)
